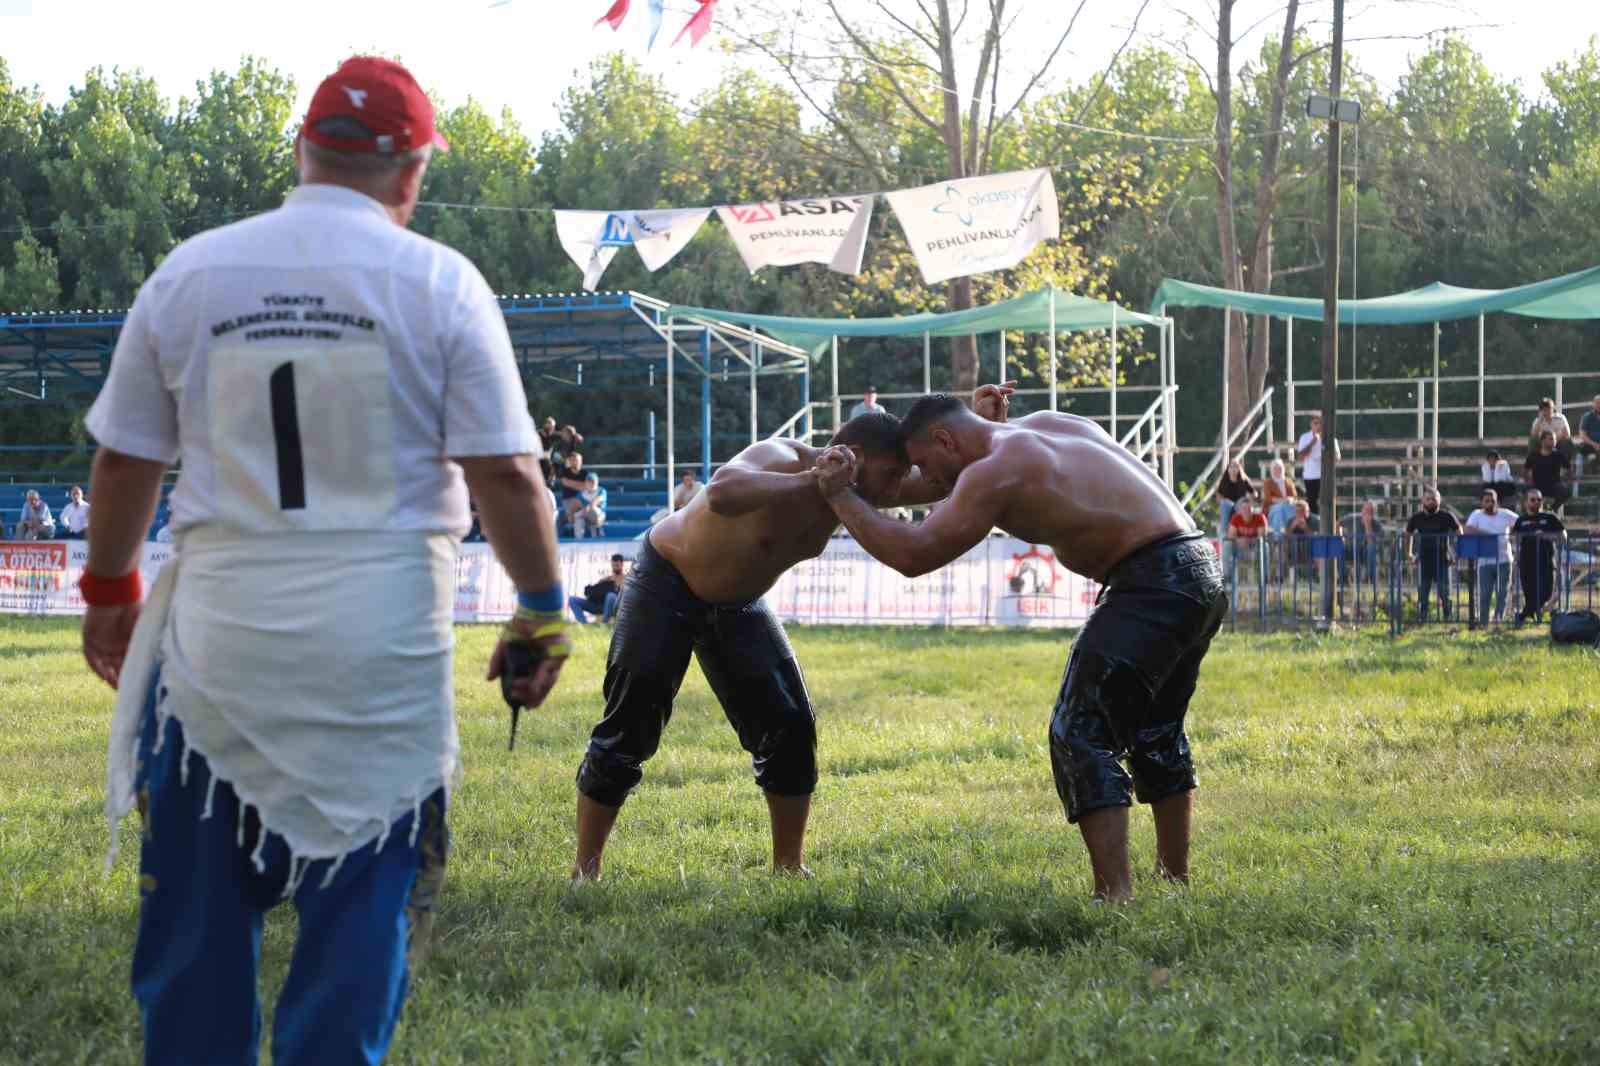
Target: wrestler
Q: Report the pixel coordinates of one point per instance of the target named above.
(697, 586)
(1061, 480)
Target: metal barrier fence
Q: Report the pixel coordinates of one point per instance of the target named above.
(1287, 580)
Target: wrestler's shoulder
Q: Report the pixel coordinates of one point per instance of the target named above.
(777, 454)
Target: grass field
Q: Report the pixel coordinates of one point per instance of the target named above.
(1395, 861)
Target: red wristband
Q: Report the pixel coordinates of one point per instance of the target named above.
(111, 591)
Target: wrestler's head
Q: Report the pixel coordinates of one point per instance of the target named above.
(936, 432)
(881, 462)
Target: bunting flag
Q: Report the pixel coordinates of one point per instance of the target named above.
(830, 230)
(618, 12)
(698, 25)
(975, 225)
(656, 13)
(591, 238)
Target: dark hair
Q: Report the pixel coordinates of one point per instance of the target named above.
(874, 431)
(1546, 402)
(928, 412)
(619, 558)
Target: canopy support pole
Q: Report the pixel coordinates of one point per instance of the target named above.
(1002, 355)
(805, 400)
(836, 422)
(671, 413)
(1435, 477)
(1053, 348)
(1288, 324)
(755, 363)
(1480, 377)
(705, 406)
(1227, 420)
(1113, 332)
(927, 363)
(1169, 409)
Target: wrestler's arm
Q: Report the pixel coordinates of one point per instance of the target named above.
(772, 472)
(915, 549)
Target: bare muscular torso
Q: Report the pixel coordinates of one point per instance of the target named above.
(737, 558)
(1079, 491)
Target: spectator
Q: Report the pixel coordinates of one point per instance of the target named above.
(1304, 524)
(1537, 535)
(164, 534)
(1245, 530)
(36, 522)
(75, 515)
(869, 403)
(1588, 443)
(1549, 420)
(1493, 575)
(1233, 487)
(1363, 533)
(547, 441)
(571, 483)
(1308, 452)
(601, 598)
(1497, 476)
(1544, 470)
(1277, 497)
(1428, 533)
(687, 490)
(590, 518)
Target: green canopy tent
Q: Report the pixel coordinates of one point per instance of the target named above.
(1568, 297)
(1049, 311)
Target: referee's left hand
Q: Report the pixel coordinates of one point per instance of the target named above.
(107, 632)
(553, 648)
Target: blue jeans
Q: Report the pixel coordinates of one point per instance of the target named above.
(1438, 576)
(1226, 511)
(1492, 577)
(580, 608)
(201, 905)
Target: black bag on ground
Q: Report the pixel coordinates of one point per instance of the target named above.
(1575, 627)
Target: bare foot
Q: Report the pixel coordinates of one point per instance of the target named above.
(581, 875)
(803, 872)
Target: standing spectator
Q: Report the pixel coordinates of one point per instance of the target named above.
(1588, 443)
(1428, 533)
(1277, 497)
(1495, 521)
(1245, 530)
(590, 518)
(1544, 470)
(36, 522)
(570, 484)
(293, 740)
(1497, 476)
(1549, 420)
(1537, 535)
(1363, 533)
(1233, 487)
(1308, 452)
(601, 598)
(869, 403)
(75, 515)
(687, 489)
(547, 442)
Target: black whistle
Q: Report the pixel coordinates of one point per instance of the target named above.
(519, 663)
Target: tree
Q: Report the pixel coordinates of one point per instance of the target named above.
(236, 138)
(32, 283)
(913, 51)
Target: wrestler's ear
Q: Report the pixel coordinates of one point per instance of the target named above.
(944, 439)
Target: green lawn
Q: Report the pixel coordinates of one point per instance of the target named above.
(1395, 861)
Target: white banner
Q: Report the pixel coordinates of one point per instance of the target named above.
(1002, 581)
(974, 225)
(591, 238)
(830, 230)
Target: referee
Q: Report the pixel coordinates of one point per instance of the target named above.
(334, 385)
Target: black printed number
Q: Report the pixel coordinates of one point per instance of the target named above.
(286, 434)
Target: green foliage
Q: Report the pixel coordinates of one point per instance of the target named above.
(1393, 862)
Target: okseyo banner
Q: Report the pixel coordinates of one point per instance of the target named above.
(591, 238)
(832, 231)
(974, 225)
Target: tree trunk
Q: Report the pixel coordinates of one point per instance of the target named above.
(1227, 236)
(963, 350)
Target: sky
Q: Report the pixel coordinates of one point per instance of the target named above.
(522, 53)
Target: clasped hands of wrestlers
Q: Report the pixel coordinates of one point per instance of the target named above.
(836, 465)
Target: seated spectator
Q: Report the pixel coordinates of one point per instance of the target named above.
(1429, 532)
(547, 441)
(1363, 537)
(687, 490)
(1588, 442)
(75, 515)
(1537, 536)
(475, 533)
(1545, 470)
(36, 522)
(1497, 476)
(570, 483)
(164, 534)
(1246, 528)
(1549, 420)
(869, 403)
(1277, 497)
(1494, 575)
(1304, 524)
(602, 597)
(590, 517)
(1233, 487)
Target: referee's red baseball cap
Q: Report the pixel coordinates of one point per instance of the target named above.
(387, 109)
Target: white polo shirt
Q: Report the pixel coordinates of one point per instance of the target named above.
(316, 368)
(1313, 462)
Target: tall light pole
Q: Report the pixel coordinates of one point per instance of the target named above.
(1330, 283)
